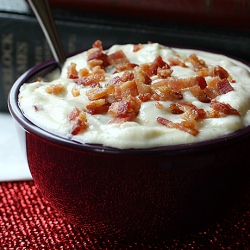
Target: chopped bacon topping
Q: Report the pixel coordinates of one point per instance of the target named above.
(224, 108)
(120, 61)
(122, 95)
(72, 71)
(55, 89)
(185, 126)
(127, 109)
(78, 121)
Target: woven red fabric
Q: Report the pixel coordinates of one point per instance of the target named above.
(27, 221)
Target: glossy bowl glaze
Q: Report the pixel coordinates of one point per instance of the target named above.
(133, 195)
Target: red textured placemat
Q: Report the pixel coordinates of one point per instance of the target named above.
(27, 221)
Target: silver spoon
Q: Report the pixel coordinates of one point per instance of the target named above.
(44, 16)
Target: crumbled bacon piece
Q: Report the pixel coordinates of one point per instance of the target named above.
(164, 72)
(98, 106)
(126, 108)
(176, 61)
(75, 92)
(96, 57)
(142, 81)
(78, 120)
(96, 93)
(127, 76)
(221, 72)
(55, 89)
(224, 108)
(158, 105)
(223, 87)
(83, 72)
(72, 71)
(203, 95)
(145, 97)
(98, 74)
(157, 63)
(162, 91)
(87, 81)
(188, 110)
(197, 63)
(186, 126)
(120, 61)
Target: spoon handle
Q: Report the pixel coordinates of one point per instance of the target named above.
(44, 16)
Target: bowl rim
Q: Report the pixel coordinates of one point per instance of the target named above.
(29, 127)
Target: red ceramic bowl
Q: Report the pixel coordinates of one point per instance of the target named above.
(133, 195)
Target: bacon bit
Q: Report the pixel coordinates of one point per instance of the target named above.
(97, 107)
(142, 81)
(178, 84)
(137, 47)
(96, 93)
(96, 57)
(72, 71)
(141, 77)
(186, 126)
(200, 94)
(95, 62)
(87, 81)
(120, 61)
(221, 72)
(75, 91)
(94, 53)
(158, 105)
(201, 82)
(208, 71)
(164, 72)
(127, 76)
(126, 108)
(188, 110)
(83, 72)
(176, 61)
(145, 97)
(164, 91)
(224, 108)
(197, 63)
(223, 87)
(116, 80)
(157, 63)
(78, 120)
(128, 89)
(146, 68)
(55, 89)
(212, 82)
(124, 90)
(98, 74)
(97, 44)
(74, 113)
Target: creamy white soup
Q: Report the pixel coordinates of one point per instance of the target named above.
(141, 96)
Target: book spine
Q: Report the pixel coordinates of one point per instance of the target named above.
(23, 45)
(217, 13)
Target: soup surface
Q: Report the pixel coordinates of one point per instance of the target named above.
(141, 96)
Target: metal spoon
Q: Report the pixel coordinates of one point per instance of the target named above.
(44, 16)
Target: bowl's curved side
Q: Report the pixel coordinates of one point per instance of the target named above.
(131, 197)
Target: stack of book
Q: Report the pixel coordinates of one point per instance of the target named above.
(222, 26)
